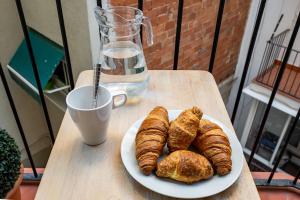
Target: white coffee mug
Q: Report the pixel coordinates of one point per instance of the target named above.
(93, 122)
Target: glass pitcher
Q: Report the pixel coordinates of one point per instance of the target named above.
(123, 65)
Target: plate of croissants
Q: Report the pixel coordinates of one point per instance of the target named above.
(182, 153)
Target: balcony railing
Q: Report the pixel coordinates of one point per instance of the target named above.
(281, 64)
(270, 66)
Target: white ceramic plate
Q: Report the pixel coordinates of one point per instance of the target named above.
(173, 188)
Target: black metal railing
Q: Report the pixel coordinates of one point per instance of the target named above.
(275, 86)
(269, 68)
(35, 175)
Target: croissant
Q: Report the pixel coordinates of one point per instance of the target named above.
(213, 143)
(151, 139)
(185, 166)
(183, 129)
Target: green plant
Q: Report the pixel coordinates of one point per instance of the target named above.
(10, 161)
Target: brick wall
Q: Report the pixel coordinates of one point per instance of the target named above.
(198, 26)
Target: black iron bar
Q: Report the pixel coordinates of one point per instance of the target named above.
(99, 3)
(216, 36)
(275, 88)
(178, 33)
(277, 183)
(65, 42)
(277, 25)
(248, 58)
(34, 67)
(16, 116)
(284, 146)
(140, 6)
(296, 178)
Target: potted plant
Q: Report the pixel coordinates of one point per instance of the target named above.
(10, 167)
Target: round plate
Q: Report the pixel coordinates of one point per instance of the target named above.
(177, 189)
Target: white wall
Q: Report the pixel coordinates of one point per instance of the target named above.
(42, 16)
(273, 10)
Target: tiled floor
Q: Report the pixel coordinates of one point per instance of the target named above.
(28, 190)
(276, 193)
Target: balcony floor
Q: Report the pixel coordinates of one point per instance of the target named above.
(290, 82)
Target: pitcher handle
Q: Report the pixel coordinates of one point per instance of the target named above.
(120, 102)
(147, 24)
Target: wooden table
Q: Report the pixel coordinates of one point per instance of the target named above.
(78, 171)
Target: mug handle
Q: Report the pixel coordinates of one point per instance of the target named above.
(121, 102)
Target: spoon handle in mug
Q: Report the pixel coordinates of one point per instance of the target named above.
(96, 84)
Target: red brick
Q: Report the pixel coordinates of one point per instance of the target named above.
(197, 34)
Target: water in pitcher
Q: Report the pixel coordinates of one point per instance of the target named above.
(124, 67)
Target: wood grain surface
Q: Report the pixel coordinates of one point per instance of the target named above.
(78, 171)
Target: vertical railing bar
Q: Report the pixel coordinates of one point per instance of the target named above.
(16, 116)
(296, 178)
(99, 3)
(289, 92)
(65, 41)
(289, 73)
(263, 67)
(284, 146)
(178, 33)
(269, 56)
(284, 51)
(34, 67)
(262, 64)
(299, 83)
(141, 6)
(276, 86)
(296, 91)
(276, 56)
(248, 58)
(216, 36)
(271, 61)
(277, 25)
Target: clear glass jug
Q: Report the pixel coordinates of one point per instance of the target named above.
(123, 65)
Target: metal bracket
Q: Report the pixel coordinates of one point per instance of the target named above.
(276, 183)
(29, 177)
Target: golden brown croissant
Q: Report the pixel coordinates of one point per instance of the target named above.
(183, 129)
(185, 166)
(151, 139)
(213, 143)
